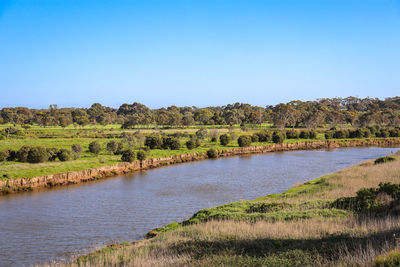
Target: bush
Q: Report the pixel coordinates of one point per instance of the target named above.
(366, 133)
(244, 140)
(128, 156)
(329, 135)
(254, 138)
(153, 142)
(22, 154)
(76, 148)
(384, 160)
(4, 155)
(112, 147)
(212, 153)
(292, 134)
(37, 154)
(278, 138)
(94, 147)
(264, 136)
(394, 133)
(371, 199)
(214, 139)
(202, 133)
(190, 144)
(313, 134)
(304, 134)
(341, 134)
(64, 154)
(141, 155)
(52, 153)
(171, 143)
(12, 155)
(224, 139)
(391, 259)
(383, 133)
(120, 148)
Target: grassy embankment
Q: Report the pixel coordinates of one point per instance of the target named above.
(300, 227)
(59, 137)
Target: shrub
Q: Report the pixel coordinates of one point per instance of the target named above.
(394, 133)
(212, 153)
(76, 148)
(190, 144)
(12, 155)
(244, 140)
(213, 139)
(120, 148)
(372, 129)
(292, 134)
(304, 134)
(4, 155)
(264, 136)
(202, 133)
(224, 139)
(371, 199)
(22, 154)
(171, 143)
(366, 133)
(383, 133)
(254, 138)
(64, 154)
(359, 133)
(384, 159)
(94, 147)
(313, 134)
(391, 259)
(153, 142)
(329, 135)
(278, 138)
(112, 147)
(52, 153)
(37, 154)
(128, 156)
(341, 134)
(141, 155)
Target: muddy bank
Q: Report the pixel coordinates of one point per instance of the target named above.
(75, 177)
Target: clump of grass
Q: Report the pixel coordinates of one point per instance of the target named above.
(391, 259)
(384, 159)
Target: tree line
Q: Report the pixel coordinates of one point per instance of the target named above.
(358, 112)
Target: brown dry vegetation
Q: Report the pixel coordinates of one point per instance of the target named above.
(349, 240)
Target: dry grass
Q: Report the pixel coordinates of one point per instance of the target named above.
(350, 242)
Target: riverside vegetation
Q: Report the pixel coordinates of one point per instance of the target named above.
(27, 152)
(348, 218)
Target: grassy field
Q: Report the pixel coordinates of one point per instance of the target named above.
(59, 137)
(300, 227)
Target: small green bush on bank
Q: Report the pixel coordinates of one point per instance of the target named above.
(384, 159)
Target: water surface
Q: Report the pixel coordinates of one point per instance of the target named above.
(51, 224)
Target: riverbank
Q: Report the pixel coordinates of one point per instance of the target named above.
(16, 185)
(303, 226)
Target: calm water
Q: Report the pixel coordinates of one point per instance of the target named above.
(41, 226)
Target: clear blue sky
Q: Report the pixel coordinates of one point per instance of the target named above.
(168, 52)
